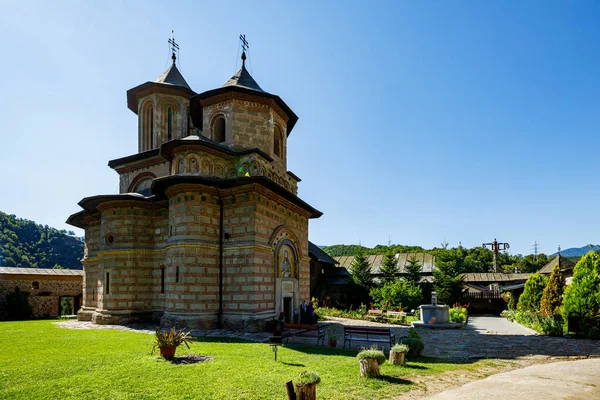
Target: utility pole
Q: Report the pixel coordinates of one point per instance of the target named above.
(495, 248)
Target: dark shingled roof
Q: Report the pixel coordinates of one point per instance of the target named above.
(565, 265)
(319, 254)
(242, 78)
(172, 76)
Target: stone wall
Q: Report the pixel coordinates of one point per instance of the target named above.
(44, 291)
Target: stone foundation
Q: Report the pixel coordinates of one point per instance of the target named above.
(126, 317)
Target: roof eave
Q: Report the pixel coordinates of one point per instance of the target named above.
(132, 94)
(292, 117)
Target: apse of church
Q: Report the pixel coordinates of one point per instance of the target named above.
(207, 229)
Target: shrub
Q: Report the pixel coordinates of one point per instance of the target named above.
(532, 294)
(373, 353)
(458, 314)
(401, 348)
(308, 378)
(415, 345)
(17, 305)
(396, 294)
(553, 293)
(412, 333)
(509, 299)
(541, 322)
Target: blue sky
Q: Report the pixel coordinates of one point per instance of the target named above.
(420, 121)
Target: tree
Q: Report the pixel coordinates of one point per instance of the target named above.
(553, 293)
(582, 296)
(448, 283)
(413, 270)
(532, 293)
(389, 268)
(396, 294)
(360, 270)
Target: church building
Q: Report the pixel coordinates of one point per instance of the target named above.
(207, 229)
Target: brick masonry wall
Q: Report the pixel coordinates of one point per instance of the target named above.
(44, 300)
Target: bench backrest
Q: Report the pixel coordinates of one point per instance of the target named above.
(309, 327)
(375, 312)
(367, 330)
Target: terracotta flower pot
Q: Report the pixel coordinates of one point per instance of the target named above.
(332, 343)
(168, 352)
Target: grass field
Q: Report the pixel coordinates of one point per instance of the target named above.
(39, 360)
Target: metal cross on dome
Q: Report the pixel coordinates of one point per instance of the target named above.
(244, 43)
(174, 46)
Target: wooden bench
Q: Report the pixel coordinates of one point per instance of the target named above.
(395, 315)
(374, 314)
(310, 330)
(368, 334)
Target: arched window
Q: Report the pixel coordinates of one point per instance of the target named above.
(148, 125)
(143, 186)
(277, 142)
(177, 274)
(180, 167)
(169, 123)
(218, 129)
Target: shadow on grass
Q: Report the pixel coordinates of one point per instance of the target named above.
(393, 379)
(292, 364)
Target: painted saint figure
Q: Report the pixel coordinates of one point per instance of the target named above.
(286, 266)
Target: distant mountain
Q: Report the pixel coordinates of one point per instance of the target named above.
(576, 251)
(25, 244)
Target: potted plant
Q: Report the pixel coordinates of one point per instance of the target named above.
(306, 386)
(168, 341)
(397, 354)
(332, 336)
(369, 360)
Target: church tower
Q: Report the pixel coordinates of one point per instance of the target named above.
(162, 107)
(207, 229)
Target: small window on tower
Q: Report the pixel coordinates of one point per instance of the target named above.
(218, 129)
(169, 123)
(277, 142)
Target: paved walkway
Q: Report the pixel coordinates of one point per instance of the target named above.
(494, 324)
(561, 380)
(483, 337)
(496, 337)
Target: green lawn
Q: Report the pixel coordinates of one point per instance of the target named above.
(39, 360)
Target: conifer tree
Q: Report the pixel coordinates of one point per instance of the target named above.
(360, 270)
(448, 283)
(389, 268)
(582, 296)
(553, 293)
(413, 270)
(532, 293)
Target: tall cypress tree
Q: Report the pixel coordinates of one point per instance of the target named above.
(553, 293)
(360, 270)
(413, 270)
(389, 268)
(582, 296)
(532, 293)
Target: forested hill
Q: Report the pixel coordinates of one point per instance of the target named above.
(338, 250)
(25, 244)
